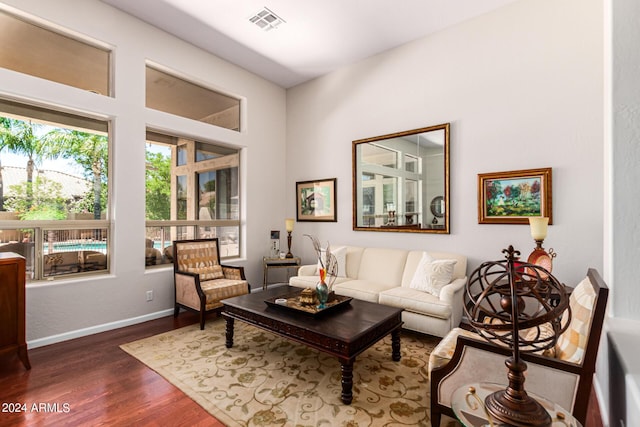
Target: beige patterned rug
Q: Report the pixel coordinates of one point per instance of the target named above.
(266, 380)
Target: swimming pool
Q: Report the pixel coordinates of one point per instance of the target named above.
(88, 246)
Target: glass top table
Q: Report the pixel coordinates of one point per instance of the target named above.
(467, 403)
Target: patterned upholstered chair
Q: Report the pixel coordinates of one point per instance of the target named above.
(201, 282)
(564, 377)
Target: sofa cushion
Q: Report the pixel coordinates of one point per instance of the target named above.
(219, 289)
(360, 289)
(414, 258)
(432, 275)
(312, 281)
(416, 301)
(384, 266)
(340, 253)
(353, 255)
(572, 343)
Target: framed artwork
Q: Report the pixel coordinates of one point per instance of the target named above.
(316, 200)
(513, 197)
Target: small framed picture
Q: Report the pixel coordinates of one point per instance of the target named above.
(275, 234)
(512, 197)
(316, 200)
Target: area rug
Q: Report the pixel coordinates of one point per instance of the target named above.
(266, 380)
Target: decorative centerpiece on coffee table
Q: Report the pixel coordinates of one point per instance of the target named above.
(305, 301)
(328, 271)
(308, 297)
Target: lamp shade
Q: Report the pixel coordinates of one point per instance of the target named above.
(288, 223)
(539, 227)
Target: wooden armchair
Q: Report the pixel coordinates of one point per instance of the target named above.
(566, 378)
(201, 282)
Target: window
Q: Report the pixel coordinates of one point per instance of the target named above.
(32, 49)
(174, 95)
(181, 197)
(54, 170)
(197, 198)
(181, 158)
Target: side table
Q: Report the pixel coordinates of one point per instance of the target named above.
(467, 403)
(269, 263)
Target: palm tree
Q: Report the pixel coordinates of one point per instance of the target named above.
(91, 151)
(20, 137)
(4, 125)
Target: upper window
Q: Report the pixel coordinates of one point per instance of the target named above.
(32, 49)
(174, 95)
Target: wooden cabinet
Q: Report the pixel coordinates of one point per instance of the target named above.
(12, 306)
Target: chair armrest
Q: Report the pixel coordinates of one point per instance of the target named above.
(233, 272)
(308, 270)
(481, 361)
(186, 274)
(187, 289)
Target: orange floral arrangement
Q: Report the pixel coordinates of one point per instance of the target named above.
(328, 269)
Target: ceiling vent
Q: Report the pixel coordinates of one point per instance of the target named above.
(266, 19)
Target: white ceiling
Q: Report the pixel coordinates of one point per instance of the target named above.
(318, 36)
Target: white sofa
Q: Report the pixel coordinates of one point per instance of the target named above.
(384, 276)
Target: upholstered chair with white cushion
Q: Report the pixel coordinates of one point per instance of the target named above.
(201, 282)
(564, 376)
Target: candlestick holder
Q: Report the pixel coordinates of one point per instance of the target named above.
(289, 227)
(289, 254)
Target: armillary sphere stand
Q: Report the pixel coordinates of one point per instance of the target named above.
(502, 300)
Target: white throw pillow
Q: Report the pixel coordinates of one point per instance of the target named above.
(340, 253)
(432, 274)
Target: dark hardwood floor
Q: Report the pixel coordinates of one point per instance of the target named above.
(89, 381)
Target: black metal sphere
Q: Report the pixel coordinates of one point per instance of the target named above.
(534, 322)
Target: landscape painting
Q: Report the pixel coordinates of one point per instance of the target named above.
(513, 197)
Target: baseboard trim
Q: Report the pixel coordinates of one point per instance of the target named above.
(53, 339)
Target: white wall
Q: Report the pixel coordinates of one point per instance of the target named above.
(522, 87)
(622, 230)
(624, 150)
(65, 308)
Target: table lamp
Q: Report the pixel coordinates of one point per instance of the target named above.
(509, 304)
(540, 256)
(288, 223)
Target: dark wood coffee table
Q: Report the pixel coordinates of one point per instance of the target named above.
(344, 332)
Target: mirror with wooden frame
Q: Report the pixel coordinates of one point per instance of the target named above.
(401, 181)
